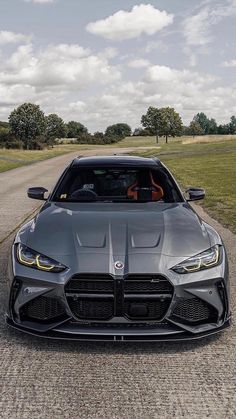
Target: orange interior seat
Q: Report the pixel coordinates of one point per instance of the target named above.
(156, 190)
(158, 193)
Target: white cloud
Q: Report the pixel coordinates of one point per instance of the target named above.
(77, 106)
(187, 91)
(197, 27)
(156, 45)
(68, 66)
(230, 63)
(142, 19)
(7, 37)
(59, 90)
(165, 74)
(109, 53)
(139, 63)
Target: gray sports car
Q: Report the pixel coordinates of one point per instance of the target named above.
(117, 253)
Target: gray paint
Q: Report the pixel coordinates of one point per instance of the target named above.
(148, 238)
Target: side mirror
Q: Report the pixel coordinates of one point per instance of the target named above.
(195, 194)
(37, 193)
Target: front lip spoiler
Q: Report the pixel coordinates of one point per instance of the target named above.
(186, 336)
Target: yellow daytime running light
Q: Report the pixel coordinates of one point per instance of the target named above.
(217, 255)
(33, 259)
(196, 267)
(204, 260)
(45, 268)
(22, 260)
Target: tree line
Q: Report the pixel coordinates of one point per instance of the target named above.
(166, 122)
(29, 128)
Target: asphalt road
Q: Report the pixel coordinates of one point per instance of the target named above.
(56, 379)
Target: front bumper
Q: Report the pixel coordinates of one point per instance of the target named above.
(195, 309)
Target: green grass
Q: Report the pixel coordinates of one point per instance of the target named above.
(10, 159)
(173, 142)
(143, 142)
(209, 165)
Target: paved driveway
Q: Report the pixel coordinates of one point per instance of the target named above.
(56, 379)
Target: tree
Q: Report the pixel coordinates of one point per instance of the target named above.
(120, 131)
(27, 122)
(75, 129)
(186, 130)
(152, 121)
(142, 132)
(232, 125)
(223, 129)
(171, 123)
(203, 121)
(195, 129)
(98, 134)
(212, 126)
(55, 127)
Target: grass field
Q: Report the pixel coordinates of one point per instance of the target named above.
(209, 165)
(10, 159)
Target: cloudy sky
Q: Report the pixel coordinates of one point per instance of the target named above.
(106, 61)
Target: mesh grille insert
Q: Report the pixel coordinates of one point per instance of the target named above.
(194, 310)
(92, 308)
(90, 283)
(147, 285)
(136, 296)
(43, 309)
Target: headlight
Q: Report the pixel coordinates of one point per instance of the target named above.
(29, 257)
(204, 260)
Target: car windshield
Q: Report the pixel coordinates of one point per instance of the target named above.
(85, 184)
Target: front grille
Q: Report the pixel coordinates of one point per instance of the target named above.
(194, 310)
(44, 309)
(143, 284)
(101, 297)
(91, 296)
(91, 308)
(90, 283)
(146, 297)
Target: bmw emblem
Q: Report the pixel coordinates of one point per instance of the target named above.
(119, 265)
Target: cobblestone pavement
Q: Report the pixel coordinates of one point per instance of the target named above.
(56, 379)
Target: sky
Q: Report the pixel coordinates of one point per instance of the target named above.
(101, 62)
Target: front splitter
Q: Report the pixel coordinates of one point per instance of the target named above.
(184, 336)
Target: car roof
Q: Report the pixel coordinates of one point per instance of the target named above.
(98, 161)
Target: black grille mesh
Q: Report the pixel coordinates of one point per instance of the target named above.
(43, 309)
(194, 310)
(102, 297)
(142, 286)
(146, 309)
(90, 283)
(78, 285)
(92, 308)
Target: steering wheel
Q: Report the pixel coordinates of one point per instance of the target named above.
(84, 194)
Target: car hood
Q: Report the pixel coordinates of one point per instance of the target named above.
(127, 231)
